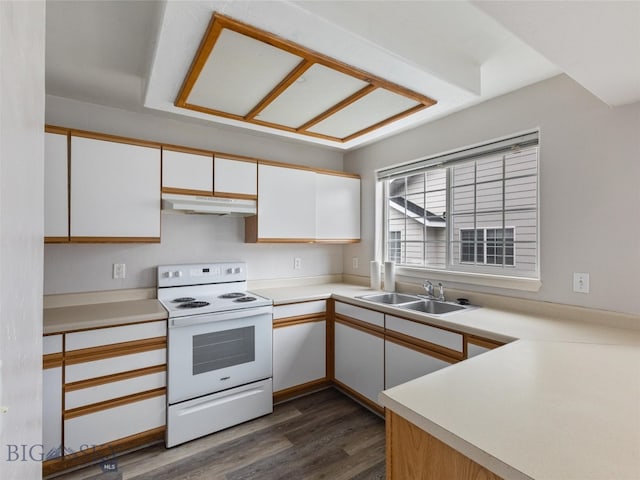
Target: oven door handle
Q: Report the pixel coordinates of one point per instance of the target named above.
(191, 320)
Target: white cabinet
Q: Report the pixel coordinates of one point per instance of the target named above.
(235, 178)
(477, 346)
(115, 191)
(56, 186)
(299, 347)
(359, 351)
(286, 205)
(404, 362)
(337, 207)
(187, 172)
(52, 396)
(359, 361)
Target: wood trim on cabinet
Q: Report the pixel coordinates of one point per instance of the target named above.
(359, 397)
(56, 129)
(239, 196)
(191, 150)
(421, 346)
(274, 163)
(233, 156)
(299, 319)
(111, 325)
(413, 454)
(56, 239)
(360, 325)
(52, 360)
(116, 377)
(302, 389)
(114, 138)
(102, 452)
(336, 241)
(91, 354)
(251, 229)
(285, 240)
(336, 173)
(115, 239)
(330, 355)
(113, 403)
(482, 342)
(187, 191)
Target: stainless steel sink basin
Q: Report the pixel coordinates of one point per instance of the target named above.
(433, 307)
(389, 298)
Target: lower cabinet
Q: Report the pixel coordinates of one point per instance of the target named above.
(107, 395)
(413, 454)
(406, 361)
(478, 346)
(52, 396)
(359, 352)
(299, 348)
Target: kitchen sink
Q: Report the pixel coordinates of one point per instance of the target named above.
(433, 307)
(389, 298)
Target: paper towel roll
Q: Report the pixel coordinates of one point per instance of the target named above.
(389, 276)
(374, 274)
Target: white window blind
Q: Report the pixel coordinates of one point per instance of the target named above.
(475, 210)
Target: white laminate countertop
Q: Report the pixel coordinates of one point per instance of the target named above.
(535, 410)
(96, 315)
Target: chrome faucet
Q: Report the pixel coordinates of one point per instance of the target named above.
(441, 294)
(428, 287)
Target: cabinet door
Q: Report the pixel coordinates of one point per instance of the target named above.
(359, 361)
(56, 188)
(403, 364)
(187, 173)
(337, 207)
(115, 191)
(286, 204)
(52, 412)
(298, 354)
(235, 178)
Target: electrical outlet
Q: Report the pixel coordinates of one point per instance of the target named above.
(581, 282)
(119, 271)
(354, 263)
(297, 263)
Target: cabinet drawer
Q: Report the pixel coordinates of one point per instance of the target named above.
(369, 316)
(111, 424)
(111, 390)
(107, 336)
(433, 335)
(110, 366)
(51, 344)
(297, 309)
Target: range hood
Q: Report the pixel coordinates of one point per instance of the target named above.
(173, 203)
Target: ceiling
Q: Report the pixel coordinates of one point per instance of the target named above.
(137, 55)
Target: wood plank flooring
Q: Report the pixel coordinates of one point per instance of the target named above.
(325, 435)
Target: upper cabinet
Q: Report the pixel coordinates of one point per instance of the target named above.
(286, 205)
(187, 171)
(298, 204)
(56, 185)
(235, 177)
(337, 208)
(115, 193)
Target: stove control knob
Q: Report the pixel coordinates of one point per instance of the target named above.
(168, 274)
(177, 273)
(229, 271)
(237, 270)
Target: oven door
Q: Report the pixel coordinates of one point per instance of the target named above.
(214, 352)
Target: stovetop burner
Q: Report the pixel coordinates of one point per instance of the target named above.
(193, 304)
(232, 295)
(183, 300)
(245, 299)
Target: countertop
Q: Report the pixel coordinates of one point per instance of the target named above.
(80, 317)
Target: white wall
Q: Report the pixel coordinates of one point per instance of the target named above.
(21, 229)
(589, 185)
(185, 238)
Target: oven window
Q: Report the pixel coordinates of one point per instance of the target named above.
(216, 350)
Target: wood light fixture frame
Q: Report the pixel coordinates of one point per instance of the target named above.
(309, 58)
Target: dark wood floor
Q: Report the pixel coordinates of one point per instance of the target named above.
(325, 435)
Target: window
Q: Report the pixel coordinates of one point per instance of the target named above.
(470, 211)
(487, 246)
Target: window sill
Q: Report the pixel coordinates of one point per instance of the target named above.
(465, 278)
